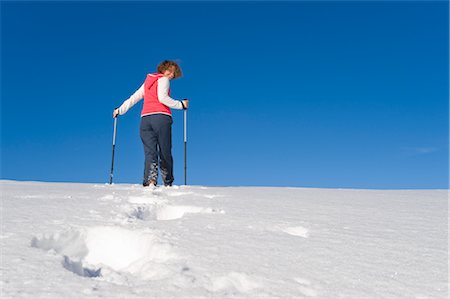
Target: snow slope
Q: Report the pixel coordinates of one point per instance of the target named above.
(61, 240)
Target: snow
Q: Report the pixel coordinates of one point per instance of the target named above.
(65, 240)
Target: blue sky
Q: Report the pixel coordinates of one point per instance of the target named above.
(307, 94)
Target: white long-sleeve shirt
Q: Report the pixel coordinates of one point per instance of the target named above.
(163, 97)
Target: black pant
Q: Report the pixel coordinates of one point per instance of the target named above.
(156, 135)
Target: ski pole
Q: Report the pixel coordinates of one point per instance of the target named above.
(113, 148)
(185, 146)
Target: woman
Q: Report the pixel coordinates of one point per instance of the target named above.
(156, 121)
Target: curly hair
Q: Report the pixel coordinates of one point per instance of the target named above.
(169, 64)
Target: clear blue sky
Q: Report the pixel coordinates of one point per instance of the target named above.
(309, 94)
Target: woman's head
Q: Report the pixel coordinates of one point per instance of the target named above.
(170, 69)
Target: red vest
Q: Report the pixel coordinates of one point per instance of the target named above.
(152, 105)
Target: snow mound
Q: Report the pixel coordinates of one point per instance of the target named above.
(102, 250)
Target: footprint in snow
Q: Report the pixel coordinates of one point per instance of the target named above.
(142, 213)
(112, 253)
(167, 212)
